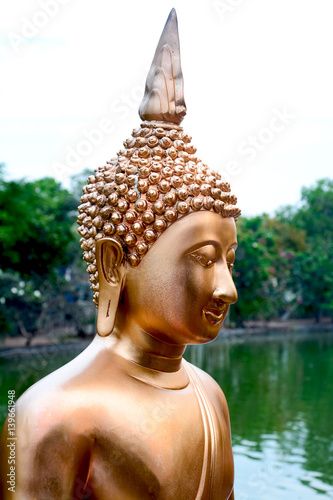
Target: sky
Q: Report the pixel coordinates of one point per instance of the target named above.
(258, 83)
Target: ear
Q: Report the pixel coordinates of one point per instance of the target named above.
(111, 273)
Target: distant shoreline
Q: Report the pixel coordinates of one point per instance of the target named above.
(280, 327)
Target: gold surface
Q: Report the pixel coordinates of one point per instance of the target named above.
(164, 93)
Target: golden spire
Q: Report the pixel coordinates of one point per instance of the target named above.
(164, 92)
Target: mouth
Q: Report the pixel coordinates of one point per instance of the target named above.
(214, 316)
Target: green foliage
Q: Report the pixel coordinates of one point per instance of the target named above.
(21, 299)
(314, 267)
(284, 264)
(36, 219)
(251, 273)
(42, 280)
(315, 215)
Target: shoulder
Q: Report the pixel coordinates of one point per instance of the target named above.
(66, 403)
(53, 400)
(45, 398)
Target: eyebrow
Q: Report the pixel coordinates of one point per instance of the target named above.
(214, 243)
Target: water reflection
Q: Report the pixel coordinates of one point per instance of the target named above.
(281, 405)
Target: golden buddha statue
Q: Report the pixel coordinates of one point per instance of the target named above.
(129, 419)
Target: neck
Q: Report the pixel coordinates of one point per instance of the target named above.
(140, 347)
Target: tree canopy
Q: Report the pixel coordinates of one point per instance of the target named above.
(43, 283)
(284, 265)
(36, 221)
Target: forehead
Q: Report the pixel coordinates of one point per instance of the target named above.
(194, 230)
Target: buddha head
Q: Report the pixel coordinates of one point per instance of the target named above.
(157, 224)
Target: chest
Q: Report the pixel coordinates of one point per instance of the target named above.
(154, 447)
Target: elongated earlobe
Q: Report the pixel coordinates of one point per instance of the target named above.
(111, 273)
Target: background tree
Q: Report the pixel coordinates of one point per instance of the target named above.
(36, 221)
(43, 285)
(314, 266)
(251, 274)
(284, 264)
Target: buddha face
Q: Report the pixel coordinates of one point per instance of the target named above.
(181, 291)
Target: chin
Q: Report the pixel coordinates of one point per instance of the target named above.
(210, 329)
(207, 335)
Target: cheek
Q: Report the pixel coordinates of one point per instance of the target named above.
(170, 295)
(156, 293)
(199, 284)
(192, 294)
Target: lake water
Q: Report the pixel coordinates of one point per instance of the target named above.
(280, 396)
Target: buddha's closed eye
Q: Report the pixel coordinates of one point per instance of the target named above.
(206, 255)
(231, 258)
(203, 260)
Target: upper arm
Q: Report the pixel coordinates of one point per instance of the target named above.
(52, 454)
(55, 463)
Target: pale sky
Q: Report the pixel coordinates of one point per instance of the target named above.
(258, 78)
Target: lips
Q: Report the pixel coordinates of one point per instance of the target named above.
(215, 315)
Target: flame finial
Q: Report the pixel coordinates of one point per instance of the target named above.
(164, 92)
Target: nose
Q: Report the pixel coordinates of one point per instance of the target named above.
(225, 290)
